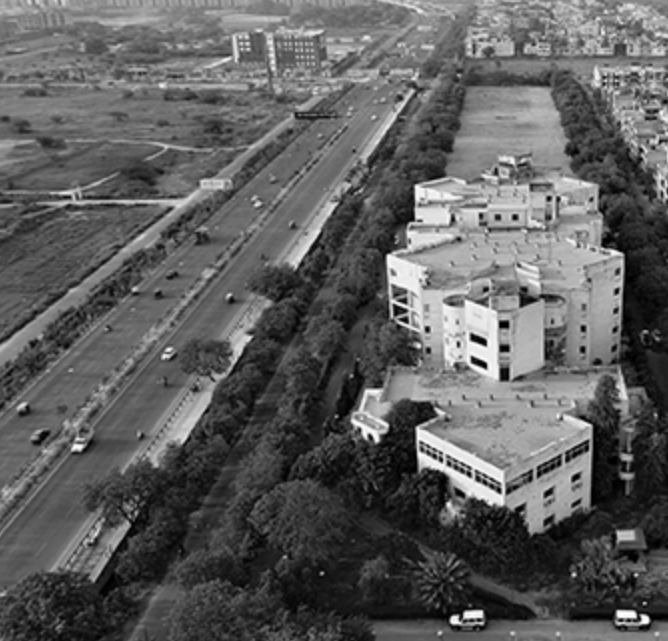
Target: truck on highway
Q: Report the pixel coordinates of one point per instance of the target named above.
(82, 440)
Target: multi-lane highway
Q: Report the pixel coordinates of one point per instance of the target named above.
(38, 534)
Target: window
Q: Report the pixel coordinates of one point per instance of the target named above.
(458, 466)
(504, 349)
(578, 450)
(548, 522)
(476, 338)
(460, 494)
(615, 311)
(583, 350)
(617, 291)
(393, 272)
(488, 481)
(427, 350)
(430, 451)
(515, 217)
(583, 329)
(521, 510)
(519, 481)
(478, 362)
(615, 329)
(497, 217)
(583, 307)
(576, 506)
(504, 324)
(549, 496)
(548, 466)
(427, 329)
(613, 348)
(618, 271)
(576, 481)
(481, 216)
(504, 373)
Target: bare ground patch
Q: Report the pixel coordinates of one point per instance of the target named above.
(498, 120)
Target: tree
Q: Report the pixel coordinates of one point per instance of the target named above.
(419, 499)
(22, 126)
(302, 372)
(442, 582)
(604, 416)
(598, 572)
(303, 520)
(325, 337)
(650, 455)
(404, 416)
(125, 496)
(385, 344)
(655, 523)
(373, 580)
(203, 566)
(497, 539)
(53, 606)
(275, 282)
(218, 610)
(205, 357)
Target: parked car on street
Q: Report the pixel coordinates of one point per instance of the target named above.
(631, 620)
(468, 620)
(168, 354)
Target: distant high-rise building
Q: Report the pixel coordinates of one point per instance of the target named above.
(281, 50)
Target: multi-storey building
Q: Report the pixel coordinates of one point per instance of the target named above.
(281, 51)
(620, 76)
(249, 47)
(523, 444)
(507, 278)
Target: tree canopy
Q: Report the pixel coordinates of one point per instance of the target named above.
(53, 606)
(302, 519)
(205, 357)
(125, 496)
(275, 282)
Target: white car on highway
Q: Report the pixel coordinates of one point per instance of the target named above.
(169, 354)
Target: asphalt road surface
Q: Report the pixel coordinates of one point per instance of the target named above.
(539, 630)
(38, 534)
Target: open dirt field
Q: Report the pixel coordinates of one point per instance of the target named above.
(106, 129)
(48, 250)
(498, 120)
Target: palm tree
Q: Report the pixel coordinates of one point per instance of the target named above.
(442, 582)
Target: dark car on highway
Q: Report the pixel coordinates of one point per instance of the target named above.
(39, 436)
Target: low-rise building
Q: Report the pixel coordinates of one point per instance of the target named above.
(521, 444)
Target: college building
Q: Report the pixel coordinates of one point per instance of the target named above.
(507, 279)
(522, 444)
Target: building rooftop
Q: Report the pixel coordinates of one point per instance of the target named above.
(500, 422)
(499, 253)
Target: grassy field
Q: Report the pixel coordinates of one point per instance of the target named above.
(107, 129)
(499, 120)
(582, 67)
(44, 252)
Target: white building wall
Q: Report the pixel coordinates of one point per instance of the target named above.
(433, 330)
(435, 213)
(454, 329)
(569, 495)
(566, 492)
(527, 352)
(605, 327)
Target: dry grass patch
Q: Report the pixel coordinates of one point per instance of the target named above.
(498, 120)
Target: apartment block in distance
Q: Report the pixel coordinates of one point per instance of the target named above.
(282, 51)
(522, 444)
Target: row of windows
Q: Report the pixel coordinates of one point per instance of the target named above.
(577, 450)
(519, 481)
(460, 467)
(548, 466)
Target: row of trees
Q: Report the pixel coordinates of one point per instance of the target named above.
(635, 225)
